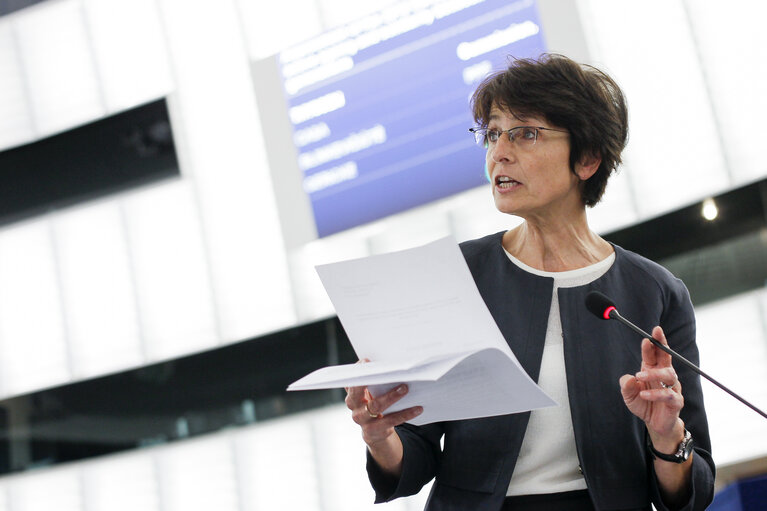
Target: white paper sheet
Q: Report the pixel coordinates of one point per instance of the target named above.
(418, 317)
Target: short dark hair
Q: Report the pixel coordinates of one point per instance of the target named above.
(577, 97)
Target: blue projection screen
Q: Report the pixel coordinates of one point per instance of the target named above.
(379, 108)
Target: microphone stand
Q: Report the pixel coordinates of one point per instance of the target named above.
(614, 314)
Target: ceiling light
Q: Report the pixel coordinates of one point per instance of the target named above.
(709, 209)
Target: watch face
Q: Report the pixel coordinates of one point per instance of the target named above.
(685, 448)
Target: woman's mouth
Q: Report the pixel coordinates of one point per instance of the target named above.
(505, 182)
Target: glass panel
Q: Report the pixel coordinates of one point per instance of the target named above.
(277, 466)
(727, 330)
(58, 489)
(130, 51)
(338, 12)
(122, 483)
(339, 445)
(674, 156)
(97, 288)
(15, 118)
(171, 274)
(617, 208)
(58, 62)
(199, 475)
(4, 500)
(226, 158)
(732, 45)
(311, 299)
(270, 27)
(32, 339)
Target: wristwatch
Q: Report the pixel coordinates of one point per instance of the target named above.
(682, 453)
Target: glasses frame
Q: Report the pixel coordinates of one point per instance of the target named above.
(477, 132)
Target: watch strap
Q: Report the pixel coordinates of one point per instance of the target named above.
(682, 453)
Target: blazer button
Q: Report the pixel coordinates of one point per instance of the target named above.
(580, 469)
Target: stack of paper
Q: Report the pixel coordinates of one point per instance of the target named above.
(418, 317)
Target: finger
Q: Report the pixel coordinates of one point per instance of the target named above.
(365, 413)
(380, 404)
(357, 401)
(355, 396)
(354, 392)
(379, 429)
(373, 425)
(630, 387)
(373, 415)
(653, 355)
(397, 418)
(384, 401)
(659, 335)
(658, 377)
(667, 396)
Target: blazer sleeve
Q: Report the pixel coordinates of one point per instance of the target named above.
(422, 455)
(678, 323)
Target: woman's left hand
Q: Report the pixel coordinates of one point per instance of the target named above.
(654, 394)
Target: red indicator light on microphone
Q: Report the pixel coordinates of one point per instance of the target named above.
(608, 310)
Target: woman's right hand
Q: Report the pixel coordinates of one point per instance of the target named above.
(378, 429)
(367, 412)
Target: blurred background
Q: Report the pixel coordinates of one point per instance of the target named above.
(173, 170)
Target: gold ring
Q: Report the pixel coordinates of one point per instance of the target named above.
(372, 415)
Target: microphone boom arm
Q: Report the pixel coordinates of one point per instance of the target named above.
(614, 314)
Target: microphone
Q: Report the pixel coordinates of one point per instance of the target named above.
(603, 308)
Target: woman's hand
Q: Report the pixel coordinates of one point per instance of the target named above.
(367, 412)
(378, 429)
(654, 394)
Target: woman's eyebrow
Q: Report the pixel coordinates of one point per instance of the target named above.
(495, 117)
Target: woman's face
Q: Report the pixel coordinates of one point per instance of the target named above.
(531, 180)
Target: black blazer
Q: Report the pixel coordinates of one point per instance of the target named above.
(474, 468)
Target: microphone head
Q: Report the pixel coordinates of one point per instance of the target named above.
(599, 305)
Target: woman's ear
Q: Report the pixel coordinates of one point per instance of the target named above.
(587, 166)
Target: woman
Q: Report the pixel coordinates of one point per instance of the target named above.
(625, 434)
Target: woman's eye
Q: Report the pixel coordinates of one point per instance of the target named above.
(528, 133)
(493, 135)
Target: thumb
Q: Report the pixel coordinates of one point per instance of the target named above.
(629, 387)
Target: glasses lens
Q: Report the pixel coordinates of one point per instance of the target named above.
(480, 135)
(524, 136)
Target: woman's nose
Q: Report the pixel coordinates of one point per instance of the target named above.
(503, 150)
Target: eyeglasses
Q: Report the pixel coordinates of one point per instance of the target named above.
(522, 136)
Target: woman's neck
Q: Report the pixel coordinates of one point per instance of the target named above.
(556, 246)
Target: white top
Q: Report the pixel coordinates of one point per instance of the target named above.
(548, 461)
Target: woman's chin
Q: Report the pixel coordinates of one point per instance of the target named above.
(504, 205)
